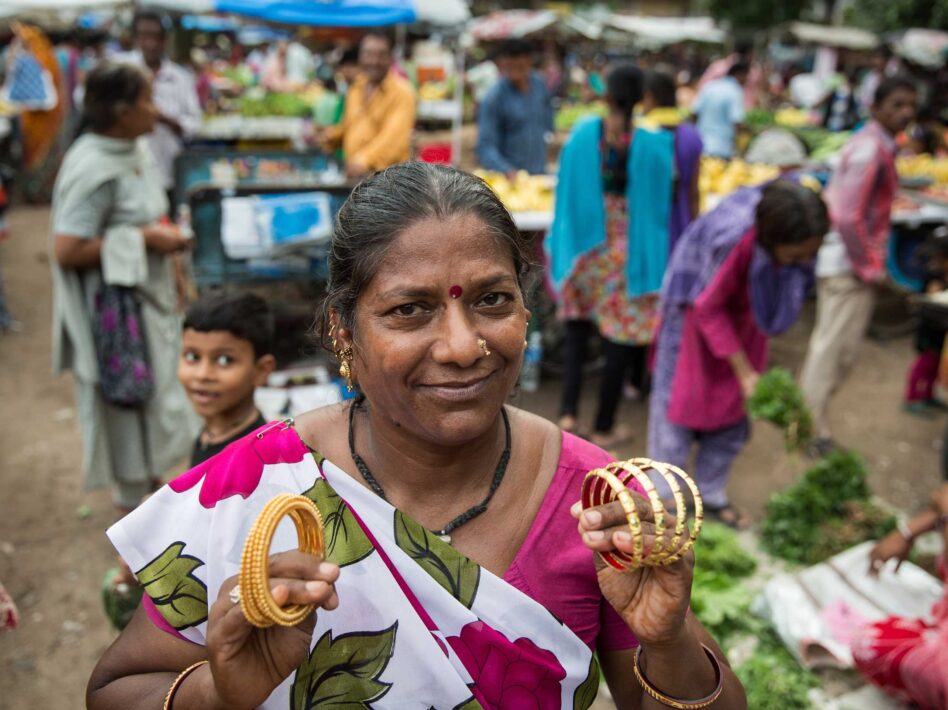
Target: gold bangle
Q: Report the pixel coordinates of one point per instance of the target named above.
(169, 697)
(255, 599)
(658, 695)
(609, 484)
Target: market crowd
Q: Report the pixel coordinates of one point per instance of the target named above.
(436, 480)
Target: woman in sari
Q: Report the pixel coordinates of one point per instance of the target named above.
(608, 245)
(739, 275)
(105, 225)
(458, 570)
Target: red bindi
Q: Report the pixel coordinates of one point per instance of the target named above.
(455, 291)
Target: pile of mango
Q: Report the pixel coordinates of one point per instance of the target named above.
(525, 193)
(924, 165)
(719, 177)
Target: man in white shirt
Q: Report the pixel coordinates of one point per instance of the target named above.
(720, 110)
(173, 91)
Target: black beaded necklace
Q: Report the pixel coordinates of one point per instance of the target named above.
(467, 515)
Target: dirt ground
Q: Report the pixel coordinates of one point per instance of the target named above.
(53, 551)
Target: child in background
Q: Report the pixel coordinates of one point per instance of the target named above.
(226, 353)
(930, 337)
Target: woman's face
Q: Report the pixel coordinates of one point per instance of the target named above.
(417, 356)
(139, 118)
(798, 253)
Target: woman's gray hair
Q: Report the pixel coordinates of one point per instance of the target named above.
(383, 206)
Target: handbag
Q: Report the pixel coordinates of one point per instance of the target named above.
(126, 378)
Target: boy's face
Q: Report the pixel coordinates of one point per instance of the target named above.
(219, 371)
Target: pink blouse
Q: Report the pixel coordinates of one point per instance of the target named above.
(706, 394)
(556, 569)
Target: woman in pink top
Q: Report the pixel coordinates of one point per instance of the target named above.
(459, 570)
(738, 275)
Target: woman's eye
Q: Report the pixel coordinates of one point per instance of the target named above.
(224, 360)
(496, 299)
(407, 309)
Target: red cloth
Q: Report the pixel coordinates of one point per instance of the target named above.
(908, 658)
(706, 394)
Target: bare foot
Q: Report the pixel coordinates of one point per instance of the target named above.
(567, 423)
(620, 434)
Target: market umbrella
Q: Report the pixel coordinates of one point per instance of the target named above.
(332, 13)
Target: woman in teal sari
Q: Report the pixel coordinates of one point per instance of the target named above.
(459, 571)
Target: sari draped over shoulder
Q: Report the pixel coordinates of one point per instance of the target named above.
(418, 625)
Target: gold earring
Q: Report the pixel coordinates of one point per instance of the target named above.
(525, 345)
(482, 344)
(345, 366)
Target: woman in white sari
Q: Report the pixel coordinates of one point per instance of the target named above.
(459, 572)
(105, 226)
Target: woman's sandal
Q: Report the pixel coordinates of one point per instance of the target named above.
(728, 515)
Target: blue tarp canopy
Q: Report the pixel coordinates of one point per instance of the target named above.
(323, 13)
(330, 13)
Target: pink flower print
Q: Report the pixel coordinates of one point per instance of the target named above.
(140, 371)
(508, 676)
(131, 325)
(237, 469)
(109, 320)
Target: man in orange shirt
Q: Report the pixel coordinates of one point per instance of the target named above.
(379, 116)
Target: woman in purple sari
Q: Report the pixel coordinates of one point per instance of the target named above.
(660, 107)
(739, 275)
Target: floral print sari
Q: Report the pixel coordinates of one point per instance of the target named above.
(418, 625)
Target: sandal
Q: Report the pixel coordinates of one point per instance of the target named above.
(728, 515)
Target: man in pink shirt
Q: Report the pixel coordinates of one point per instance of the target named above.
(852, 260)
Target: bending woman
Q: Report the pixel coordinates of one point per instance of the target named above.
(608, 245)
(738, 276)
(458, 572)
(106, 208)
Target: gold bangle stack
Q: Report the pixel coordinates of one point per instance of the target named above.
(256, 600)
(611, 483)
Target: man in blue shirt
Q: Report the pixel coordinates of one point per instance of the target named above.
(515, 116)
(720, 108)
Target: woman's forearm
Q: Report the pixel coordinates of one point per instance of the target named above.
(663, 666)
(147, 691)
(77, 253)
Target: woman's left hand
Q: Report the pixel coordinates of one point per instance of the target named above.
(653, 601)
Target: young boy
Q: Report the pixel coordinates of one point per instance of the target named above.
(226, 353)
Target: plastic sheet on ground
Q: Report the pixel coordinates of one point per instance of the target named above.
(816, 610)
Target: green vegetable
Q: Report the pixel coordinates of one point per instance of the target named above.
(777, 399)
(772, 677)
(757, 119)
(824, 513)
(274, 104)
(718, 597)
(568, 115)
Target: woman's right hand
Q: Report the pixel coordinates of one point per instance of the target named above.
(248, 663)
(892, 546)
(165, 239)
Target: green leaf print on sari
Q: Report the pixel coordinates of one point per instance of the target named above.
(587, 691)
(345, 541)
(470, 704)
(448, 567)
(179, 596)
(344, 672)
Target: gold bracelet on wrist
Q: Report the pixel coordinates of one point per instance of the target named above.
(253, 592)
(169, 697)
(677, 703)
